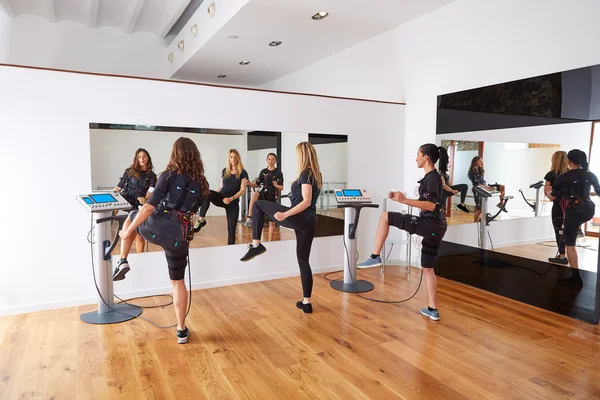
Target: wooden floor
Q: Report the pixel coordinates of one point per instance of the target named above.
(250, 342)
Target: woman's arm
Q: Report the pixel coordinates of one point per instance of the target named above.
(303, 205)
(422, 204)
(239, 194)
(548, 189)
(140, 217)
(448, 188)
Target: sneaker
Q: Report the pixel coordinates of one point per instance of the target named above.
(463, 208)
(183, 336)
(248, 222)
(307, 308)
(253, 252)
(199, 225)
(121, 270)
(433, 315)
(370, 262)
(580, 234)
(557, 260)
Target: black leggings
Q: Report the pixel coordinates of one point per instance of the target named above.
(462, 188)
(304, 227)
(232, 210)
(574, 217)
(430, 229)
(557, 220)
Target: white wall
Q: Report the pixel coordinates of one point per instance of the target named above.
(33, 40)
(333, 160)
(45, 119)
(112, 152)
(5, 26)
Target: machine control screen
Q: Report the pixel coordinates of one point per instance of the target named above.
(103, 198)
(352, 192)
(88, 200)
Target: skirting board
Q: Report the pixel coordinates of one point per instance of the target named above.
(153, 292)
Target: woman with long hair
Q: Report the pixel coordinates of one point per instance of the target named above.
(476, 176)
(573, 189)
(166, 220)
(450, 191)
(559, 167)
(430, 224)
(136, 185)
(301, 217)
(234, 179)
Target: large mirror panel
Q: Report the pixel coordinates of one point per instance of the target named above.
(114, 146)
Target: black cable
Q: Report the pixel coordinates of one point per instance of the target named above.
(130, 315)
(515, 265)
(145, 297)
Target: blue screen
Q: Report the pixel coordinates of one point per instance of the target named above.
(352, 193)
(338, 192)
(88, 200)
(103, 198)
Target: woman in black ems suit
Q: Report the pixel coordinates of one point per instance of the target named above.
(430, 224)
(166, 220)
(301, 217)
(559, 167)
(475, 174)
(135, 185)
(574, 189)
(233, 185)
(450, 191)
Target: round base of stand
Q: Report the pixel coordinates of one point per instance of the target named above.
(359, 286)
(112, 317)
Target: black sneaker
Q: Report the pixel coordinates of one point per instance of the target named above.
(557, 260)
(183, 336)
(199, 225)
(580, 233)
(253, 252)
(307, 308)
(463, 208)
(121, 270)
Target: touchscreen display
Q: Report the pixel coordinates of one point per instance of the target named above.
(103, 198)
(352, 192)
(88, 200)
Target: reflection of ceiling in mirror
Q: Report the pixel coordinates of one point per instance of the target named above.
(156, 128)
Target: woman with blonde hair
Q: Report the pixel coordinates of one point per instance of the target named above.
(559, 167)
(166, 220)
(234, 179)
(301, 217)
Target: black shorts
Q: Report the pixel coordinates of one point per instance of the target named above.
(432, 231)
(176, 252)
(268, 195)
(574, 217)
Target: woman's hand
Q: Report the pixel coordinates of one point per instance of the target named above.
(397, 196)
(142, 200)
(455, 192)
(279, 216)
(227, 200)
(117, 189)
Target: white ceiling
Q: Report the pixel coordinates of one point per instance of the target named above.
(152, 16)
(305, 41)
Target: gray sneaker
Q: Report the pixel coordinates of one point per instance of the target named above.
(433, 315)
(370, 262)
(248, 222)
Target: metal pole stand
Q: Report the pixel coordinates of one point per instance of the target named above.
(537, 202)
(483, 242)
(108, 312)
(350, 284)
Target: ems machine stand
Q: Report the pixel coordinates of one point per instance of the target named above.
(486, 193)
(102, 206)
(535, 206)
(352, 200)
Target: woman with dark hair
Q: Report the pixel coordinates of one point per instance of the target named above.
(475, 174)
(166, 220)
(233, 185)
(270, 181)
(430, 224)
(136, 185)
(573, 189)
(559, 167)
(450, 191)
(301, 217)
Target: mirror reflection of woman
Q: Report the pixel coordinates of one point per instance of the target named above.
(301, 217)
(573, 188)
(559, 167)
(166, 220)
(136, 185)
(476, 176)
(234, 179)
(270, 179)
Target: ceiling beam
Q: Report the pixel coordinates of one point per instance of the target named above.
(7, 8)
(51, 11)
(135, 13)
(94, 4)
(173, 18)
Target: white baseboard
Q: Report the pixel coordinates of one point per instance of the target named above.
(156, 291)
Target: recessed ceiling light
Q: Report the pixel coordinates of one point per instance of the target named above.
(232, 37)
(222, 76)
(211, 9)
(244, 62)
(170, 57)
(320, 15)
(275, 43)
(195, 30)
(180, 45)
